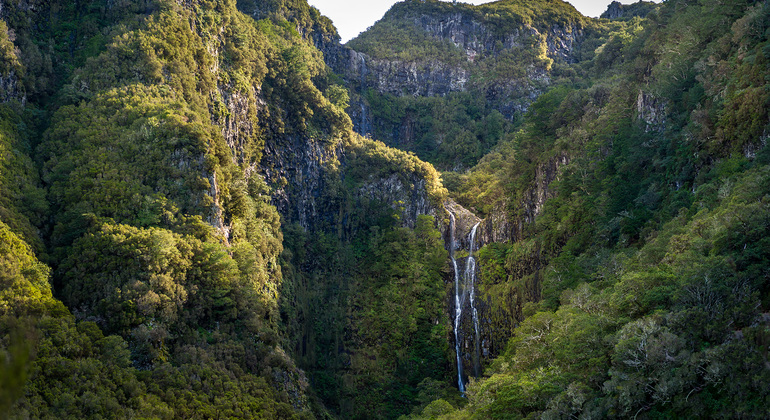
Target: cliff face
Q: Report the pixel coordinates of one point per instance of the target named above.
(616, 10)
(311, 187)
(507, 221)
(478, 39)
(10, 89)
(449, 50)
(651, 111)
(299, 169)
(500, 310)
(305, 171)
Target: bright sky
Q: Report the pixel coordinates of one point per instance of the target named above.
(353, 17)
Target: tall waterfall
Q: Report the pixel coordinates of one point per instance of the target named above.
(466, 282)
(470, 280)
(458, 302)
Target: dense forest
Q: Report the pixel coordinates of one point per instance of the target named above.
(213, 209)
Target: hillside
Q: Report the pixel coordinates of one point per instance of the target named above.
(212, 208)
(156, 160)
(449, 80)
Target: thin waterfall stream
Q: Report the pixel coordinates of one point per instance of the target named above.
(458, 303)
(470, 279)
(466, 282)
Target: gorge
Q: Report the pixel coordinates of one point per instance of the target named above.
(214, 209)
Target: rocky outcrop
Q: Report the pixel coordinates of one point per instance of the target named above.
(11, 89)
(651, 111)
(498, 226)
(238, 119)
(480, 40)
(407, 197)
(616, 10)
(298, 168)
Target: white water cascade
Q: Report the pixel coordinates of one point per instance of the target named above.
(468, 281)
(458, 303)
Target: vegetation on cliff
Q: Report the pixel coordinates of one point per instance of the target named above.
(490, 62)
(640, 289)
(145, 269)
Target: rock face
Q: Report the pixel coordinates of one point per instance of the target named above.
(408, 199)
(404, 78)
(296, 166)
(10, 89)
(499, 227)
(478, 40)
(306, 176)
(651, 111)
(464, 222)
(616, 10)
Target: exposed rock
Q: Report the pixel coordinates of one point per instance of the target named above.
(10, 89)
(292, 381)
(239, 121)
(409, 198)
(478, 38)
(651, 111)
(403, 78)
(499, 227)
(496, 226)
(750, 150)
(616, 10)
(497, 319)
(431, 77)
(464, 222)
(296, 166)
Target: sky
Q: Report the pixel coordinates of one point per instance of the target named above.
(353, 17)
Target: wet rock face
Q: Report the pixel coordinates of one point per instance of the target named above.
(499, 311)
(464, 222)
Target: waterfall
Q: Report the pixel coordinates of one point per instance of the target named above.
(458, 302)
(462, 283)
(470, 278)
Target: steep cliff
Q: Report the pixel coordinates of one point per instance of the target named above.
(10, 67)
(617, 10)
(506, 53)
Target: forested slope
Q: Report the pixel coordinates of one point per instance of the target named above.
(635, 282)
(142, 248)
(190, 226)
